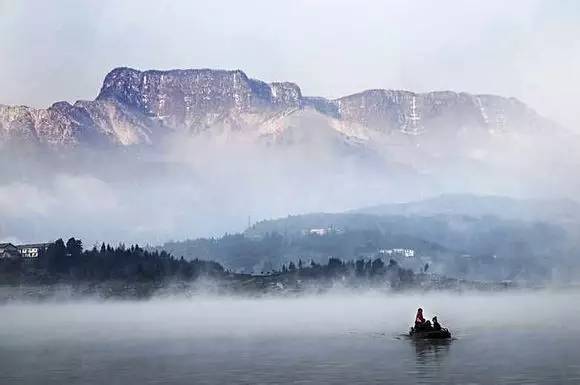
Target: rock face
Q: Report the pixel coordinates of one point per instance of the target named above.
(415, 114)
(191, 98)
(139, 107)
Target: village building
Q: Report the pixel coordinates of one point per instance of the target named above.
(318, 231)
(32, 250)
(28, 251)
(322, 231)
(8, 250)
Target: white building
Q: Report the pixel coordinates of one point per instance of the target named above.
(32, 250)
(318, 231)
(323, 231)
(407, 253)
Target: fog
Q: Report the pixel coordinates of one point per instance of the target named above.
(207, 185)
(192, 187)
(340, 338)
(316, 323)
(367, 314)
(189, 186)
(220, 181)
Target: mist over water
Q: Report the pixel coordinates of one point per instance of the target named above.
(334, 313)
(513, 338)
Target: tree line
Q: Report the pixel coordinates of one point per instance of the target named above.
(353, 270)
(69, 261)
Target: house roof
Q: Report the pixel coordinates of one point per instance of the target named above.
(5, 245)
(37, 245)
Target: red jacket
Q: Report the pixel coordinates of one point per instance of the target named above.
(419, 319)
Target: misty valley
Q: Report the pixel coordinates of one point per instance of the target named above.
(269, 245)
(289, 192)
(390, 250)
(327, 298)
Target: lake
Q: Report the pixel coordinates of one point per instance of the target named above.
(339, 338)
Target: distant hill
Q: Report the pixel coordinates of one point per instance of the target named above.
(460, 233)
(484, 248)
(478, 206)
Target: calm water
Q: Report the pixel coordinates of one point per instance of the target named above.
(517, 339)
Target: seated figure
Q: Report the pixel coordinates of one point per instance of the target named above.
(436, 325)
(420, 322)
(419, 319)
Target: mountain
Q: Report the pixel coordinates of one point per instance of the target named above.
(141, 107)
(561, 211)
(488, 247)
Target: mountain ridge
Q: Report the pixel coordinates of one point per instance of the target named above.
(479, 206)
(137, 107)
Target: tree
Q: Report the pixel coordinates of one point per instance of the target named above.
(74, 248)
(334, 264)
(359, 266)
(56, 257)
(368, 266)
(377, 266)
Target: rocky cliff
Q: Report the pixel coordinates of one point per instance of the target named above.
(139, 107)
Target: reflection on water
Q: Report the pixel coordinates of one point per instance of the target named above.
(430, 352)
(430, 358)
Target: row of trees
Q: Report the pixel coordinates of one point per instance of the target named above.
(69, 261)
(360, 269)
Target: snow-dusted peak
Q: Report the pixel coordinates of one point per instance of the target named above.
(138, 107)
(286, 94)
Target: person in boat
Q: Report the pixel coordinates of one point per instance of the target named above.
(436, 324)
(420, 322)
(419, 319)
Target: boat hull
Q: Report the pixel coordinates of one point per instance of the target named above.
(430, 334)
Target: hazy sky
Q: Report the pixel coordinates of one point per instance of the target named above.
(61, 50)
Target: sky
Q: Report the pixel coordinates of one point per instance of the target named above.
(530, 49)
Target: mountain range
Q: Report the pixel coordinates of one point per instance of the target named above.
(173, 154)
(141, 107)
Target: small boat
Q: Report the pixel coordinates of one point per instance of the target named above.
(430, 334)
